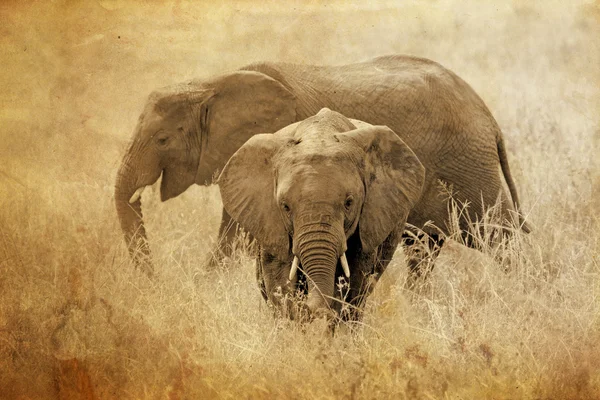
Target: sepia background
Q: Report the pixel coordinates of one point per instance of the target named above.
(78, 321)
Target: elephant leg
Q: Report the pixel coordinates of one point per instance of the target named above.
(369, 267)
(260, 279)
(280, 294)
(224, 247)
(228, 232)
(421, 254)
(386, 252)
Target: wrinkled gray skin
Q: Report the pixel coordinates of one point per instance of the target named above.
(188, 132)
(318, 190)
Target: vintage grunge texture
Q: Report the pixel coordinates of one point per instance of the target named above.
(77, 321)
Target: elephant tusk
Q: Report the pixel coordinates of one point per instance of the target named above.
(345, 266)
(294, 269)
(136, 196)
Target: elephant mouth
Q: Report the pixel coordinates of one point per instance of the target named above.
(137, 194)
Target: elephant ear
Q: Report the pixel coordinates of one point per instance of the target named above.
(247, 185)
(244, 104)
(394, 179)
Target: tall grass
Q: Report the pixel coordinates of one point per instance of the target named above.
(519, 320)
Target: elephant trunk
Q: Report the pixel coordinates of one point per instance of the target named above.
(319, 251)
(130, 215)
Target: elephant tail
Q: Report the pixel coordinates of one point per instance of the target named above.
(510, 182)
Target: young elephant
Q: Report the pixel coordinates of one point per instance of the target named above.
(327, 196)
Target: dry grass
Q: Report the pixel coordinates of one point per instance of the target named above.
(76, 320)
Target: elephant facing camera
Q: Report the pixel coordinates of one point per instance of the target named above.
(327, 202)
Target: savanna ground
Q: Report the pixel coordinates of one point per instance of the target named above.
(76, 319)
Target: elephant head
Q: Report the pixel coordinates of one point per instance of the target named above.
(304, 191)
(187, 133)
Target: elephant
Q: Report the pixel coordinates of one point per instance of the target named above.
(329, 197)
(187, 133)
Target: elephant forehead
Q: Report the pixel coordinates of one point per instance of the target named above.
(317, 180)
(311, 168)
(152, 120)
(315, 153)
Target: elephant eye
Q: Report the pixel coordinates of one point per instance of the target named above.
(349, 201)
(162, 141)
(285, 207)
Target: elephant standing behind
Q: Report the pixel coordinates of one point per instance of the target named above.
(188, 132)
